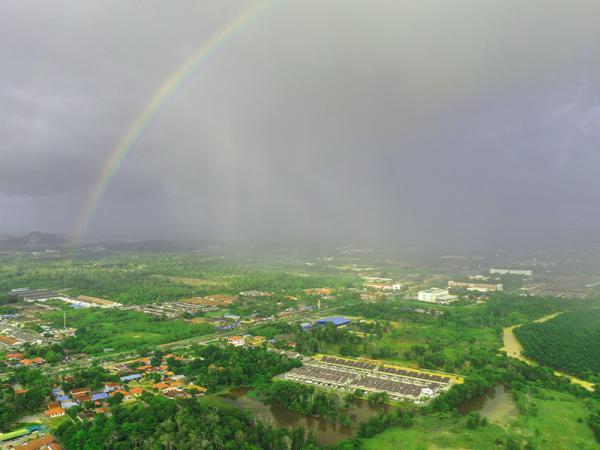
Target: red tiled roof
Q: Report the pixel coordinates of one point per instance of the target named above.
(45, 442)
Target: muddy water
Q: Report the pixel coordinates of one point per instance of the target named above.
(325, 432)
(513, 348)
(496, 404)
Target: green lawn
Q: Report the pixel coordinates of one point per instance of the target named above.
(123, 330)
(557, 423)
(452, 341)
(437, 432)
(556, 427)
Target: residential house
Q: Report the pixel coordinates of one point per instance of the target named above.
(236, 341)
(55, 412)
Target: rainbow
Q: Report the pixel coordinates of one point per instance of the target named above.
(152, 108)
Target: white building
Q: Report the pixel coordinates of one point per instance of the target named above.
(236, 341)
(436, 295)
(479, 287)
(522, 272)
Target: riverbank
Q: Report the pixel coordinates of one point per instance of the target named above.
(326, 432)
(513, 348)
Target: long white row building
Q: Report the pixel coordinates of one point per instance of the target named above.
(349, 375)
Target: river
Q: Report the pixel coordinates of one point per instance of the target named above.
(325, 432)
(496, 404)
(514, 349)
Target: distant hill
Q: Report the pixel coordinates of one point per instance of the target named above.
(33, 239)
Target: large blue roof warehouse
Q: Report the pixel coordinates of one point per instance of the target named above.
(337, 321)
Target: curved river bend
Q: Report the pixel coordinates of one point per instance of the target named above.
(325, 432)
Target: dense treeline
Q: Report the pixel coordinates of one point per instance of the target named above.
(594, 423)
(14, 405)
(307, 400)
(160, 423)
(498, 311)
(568, 342)
(358, 339)
(376, 424)
(233, 366)
(313, 341)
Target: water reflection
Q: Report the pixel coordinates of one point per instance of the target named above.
(496, 404)
(326, 432)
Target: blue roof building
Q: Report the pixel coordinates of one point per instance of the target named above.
(306, 326)
(99, 396)
(337, 321)
(135, 376)
(61, 398)
(57, 392)
(68, 404)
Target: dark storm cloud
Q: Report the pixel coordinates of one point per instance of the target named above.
(381, 120)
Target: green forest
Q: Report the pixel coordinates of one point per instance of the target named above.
(159, 423)
(568, 342)
(232, 366)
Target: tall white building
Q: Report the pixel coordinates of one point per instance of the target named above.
(436, 295)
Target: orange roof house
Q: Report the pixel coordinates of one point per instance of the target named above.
(123, 392)
(81, 390)
(54, 412)
(137, 391)
(47, 442)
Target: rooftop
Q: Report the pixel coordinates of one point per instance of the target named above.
(337, 321)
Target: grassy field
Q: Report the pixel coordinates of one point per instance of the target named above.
(436, 432)
(196, 282)
(451, 341)
(558, 425)
(124, 330)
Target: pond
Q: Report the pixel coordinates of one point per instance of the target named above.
(496, 404)
(325, 432)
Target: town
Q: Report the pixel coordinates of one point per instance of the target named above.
(380, 335)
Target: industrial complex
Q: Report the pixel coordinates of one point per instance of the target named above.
(351, 374)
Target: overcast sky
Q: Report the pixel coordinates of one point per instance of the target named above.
(408, 121)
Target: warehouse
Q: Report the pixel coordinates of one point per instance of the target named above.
(337, 321)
